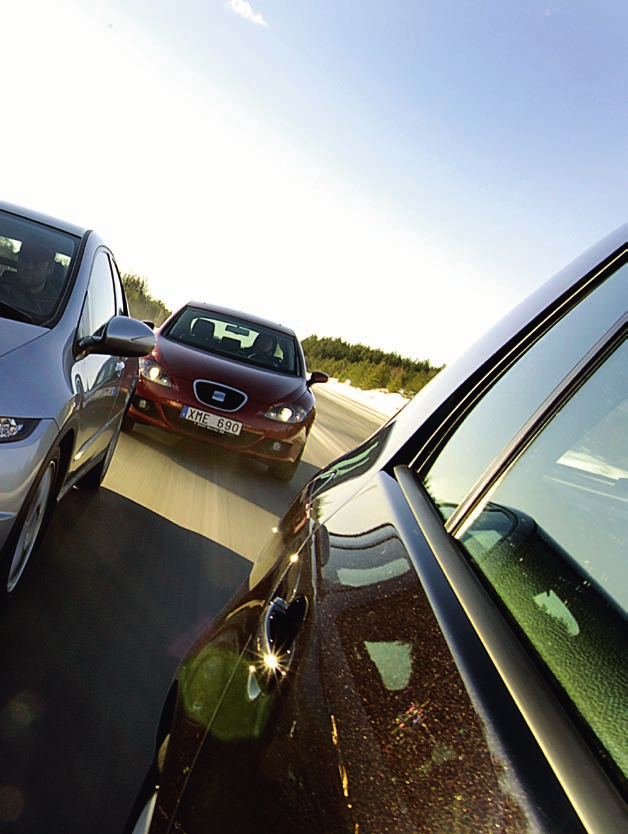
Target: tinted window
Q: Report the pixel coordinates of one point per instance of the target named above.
(534, 485)
(35, 262)
(503, 411)
(552, 538)
(100, 302)
(121, 305)
(237, 339)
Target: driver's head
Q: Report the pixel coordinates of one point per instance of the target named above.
(35, 263)
(265, 343)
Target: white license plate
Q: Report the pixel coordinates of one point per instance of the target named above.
(210, 421)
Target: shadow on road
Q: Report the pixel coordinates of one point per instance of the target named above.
(87, 649)
(242, 476)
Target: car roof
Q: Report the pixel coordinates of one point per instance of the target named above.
(245, 317)
(497, 341)
(44, 219)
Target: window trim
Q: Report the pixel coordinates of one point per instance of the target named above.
(490, 479)
(499, 364)
(594, 797)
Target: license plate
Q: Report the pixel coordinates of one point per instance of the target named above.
(224, 425)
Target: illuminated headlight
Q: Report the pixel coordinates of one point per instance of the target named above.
(12, 428)
(286, 414)
(153, 372)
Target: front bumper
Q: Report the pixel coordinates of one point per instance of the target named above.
(20, 461)
(264, 439)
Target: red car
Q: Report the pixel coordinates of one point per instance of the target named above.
(231, 379)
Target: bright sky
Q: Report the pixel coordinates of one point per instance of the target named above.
(394, 173)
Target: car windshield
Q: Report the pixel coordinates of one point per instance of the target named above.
(35, 261)
(243, 341)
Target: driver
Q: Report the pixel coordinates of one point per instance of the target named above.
(264, 348)
(30, 286)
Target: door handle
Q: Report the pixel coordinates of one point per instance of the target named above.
(279, 628)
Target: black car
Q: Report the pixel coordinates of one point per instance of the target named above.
(435, 637)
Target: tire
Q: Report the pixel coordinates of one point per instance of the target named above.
(31, 525)
(282, 471)
(128, 423)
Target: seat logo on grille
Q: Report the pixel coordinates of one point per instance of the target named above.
(218, 395)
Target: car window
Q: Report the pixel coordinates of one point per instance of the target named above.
(506, 407)
(121, 305)
(542, 509)
(100, 301)
(35, 263)
(236, 339)
(552, 539)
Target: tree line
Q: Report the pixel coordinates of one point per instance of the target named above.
(142, 305)
(367, 368)
(362, 366)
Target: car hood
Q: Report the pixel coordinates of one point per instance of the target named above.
(184, 362)
(16, 334)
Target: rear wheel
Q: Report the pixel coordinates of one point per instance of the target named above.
(31, 524)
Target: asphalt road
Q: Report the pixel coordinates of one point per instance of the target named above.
(124, 580)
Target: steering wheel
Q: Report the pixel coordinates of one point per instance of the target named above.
(265, 358)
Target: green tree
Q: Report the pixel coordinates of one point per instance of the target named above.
(366, 367)
(142, 305)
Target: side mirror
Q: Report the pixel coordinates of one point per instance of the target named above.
(317, 376)
(122, 336)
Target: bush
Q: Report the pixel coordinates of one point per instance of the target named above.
(365, 367)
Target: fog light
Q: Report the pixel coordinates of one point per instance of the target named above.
(142, 405)
(277, 446)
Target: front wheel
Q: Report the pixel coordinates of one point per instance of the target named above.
(31, 523)
(128, 423)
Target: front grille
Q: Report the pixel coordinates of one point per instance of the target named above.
(218, 396)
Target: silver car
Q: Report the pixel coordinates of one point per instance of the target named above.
(68, 368)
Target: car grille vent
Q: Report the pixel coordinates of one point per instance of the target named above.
(218, 396)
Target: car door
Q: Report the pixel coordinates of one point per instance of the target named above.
(98, 381)
(521, 497)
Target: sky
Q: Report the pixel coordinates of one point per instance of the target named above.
(397, 174)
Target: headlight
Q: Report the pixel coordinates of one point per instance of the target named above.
(13, 428)
(286, 414)
(153, 372)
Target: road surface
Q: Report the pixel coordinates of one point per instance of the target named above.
(124, 580)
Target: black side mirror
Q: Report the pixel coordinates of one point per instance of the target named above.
(317, 376)
(122, 336)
